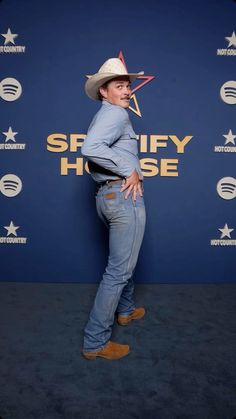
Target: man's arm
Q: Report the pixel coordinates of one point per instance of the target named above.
(105, 130)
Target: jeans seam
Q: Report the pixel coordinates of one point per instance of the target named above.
(135, 233)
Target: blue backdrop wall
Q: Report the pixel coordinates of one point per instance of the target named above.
(184, 117)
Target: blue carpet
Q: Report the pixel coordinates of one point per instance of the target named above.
(181, 366)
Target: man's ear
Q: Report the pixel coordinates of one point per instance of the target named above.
(103, 91)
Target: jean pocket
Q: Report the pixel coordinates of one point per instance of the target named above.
(113, 200)
(139, 201)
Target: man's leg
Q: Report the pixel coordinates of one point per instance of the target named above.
(126, 222)
(126, 303)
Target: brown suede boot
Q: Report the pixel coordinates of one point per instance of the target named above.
(138, 313)
(112, 350)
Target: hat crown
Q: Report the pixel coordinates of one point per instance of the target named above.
(111, 69)
(113, 66)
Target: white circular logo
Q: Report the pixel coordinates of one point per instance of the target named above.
(10, 185)
(226, 188)
(10, 89)
(228, 92)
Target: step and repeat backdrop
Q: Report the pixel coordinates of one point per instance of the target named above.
(183, 111)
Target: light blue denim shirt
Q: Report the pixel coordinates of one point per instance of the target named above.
(111, 144)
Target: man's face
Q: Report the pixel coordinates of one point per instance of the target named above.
(117, 91)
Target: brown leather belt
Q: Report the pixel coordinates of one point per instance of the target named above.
(112, 182)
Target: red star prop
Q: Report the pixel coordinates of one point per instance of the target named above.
(146, 79)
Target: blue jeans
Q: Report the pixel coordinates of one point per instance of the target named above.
(125, 220)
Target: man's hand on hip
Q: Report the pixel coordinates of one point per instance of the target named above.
(132, 184)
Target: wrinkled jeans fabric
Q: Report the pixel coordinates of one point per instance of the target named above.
(125, 220)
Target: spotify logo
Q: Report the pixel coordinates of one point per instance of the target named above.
(226, 187)
(10, 185)
(10, 89)
(228, 92)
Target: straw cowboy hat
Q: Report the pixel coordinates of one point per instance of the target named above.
(111, 69)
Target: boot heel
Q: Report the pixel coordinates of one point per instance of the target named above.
(88, 355)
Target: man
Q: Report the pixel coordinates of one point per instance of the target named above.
(112, 152)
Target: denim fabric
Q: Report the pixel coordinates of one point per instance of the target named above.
(125, 220)
(111, 145)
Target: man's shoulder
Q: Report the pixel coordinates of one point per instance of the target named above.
(115, 111)
(108, 114)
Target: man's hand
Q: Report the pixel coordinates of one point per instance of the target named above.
(132, 184)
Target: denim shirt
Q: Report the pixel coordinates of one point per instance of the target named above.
(111, 144)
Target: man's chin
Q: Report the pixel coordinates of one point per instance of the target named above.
(125, 103)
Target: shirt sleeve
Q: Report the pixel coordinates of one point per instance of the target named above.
(102, 134)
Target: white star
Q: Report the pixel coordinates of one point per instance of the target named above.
(229, 138)
(225, 232)
(11, 229)
(232, 40)
(9, 37)
(10, 135)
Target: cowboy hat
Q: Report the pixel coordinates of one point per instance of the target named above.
(111, 69)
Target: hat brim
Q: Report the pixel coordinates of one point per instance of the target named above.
(95, 81)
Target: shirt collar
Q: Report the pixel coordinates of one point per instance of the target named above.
(105, 102)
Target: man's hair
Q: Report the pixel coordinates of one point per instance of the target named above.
(104, 86)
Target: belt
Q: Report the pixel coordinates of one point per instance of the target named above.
(112, 182)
